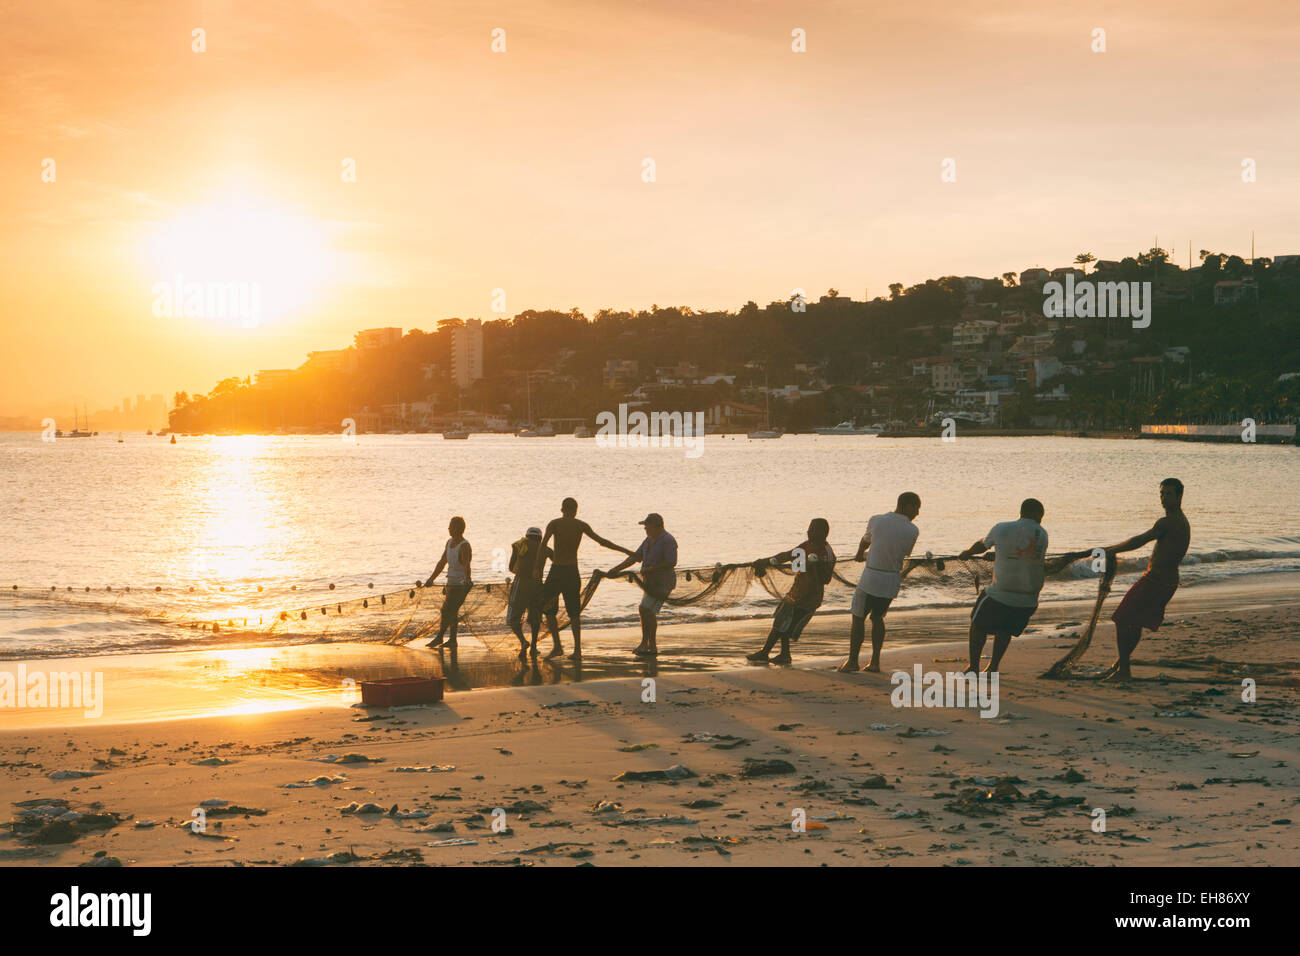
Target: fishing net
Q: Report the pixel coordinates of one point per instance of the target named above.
(406, 615)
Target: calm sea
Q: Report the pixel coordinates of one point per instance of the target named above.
(301, 513)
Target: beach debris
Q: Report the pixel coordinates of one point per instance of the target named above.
(432, 768)
(787, 726)
(522, 806)
(334, 859)
(458, 841)
(719, 741)
(675, 772)
(1181, 713)
(1070, 776)
(606, 806)
(832, 817)
(629, 821)
(212, 762)
(362, 809)
(913, 732)
(765, 768)
(224, 808)
(904, 814)
(445, 827)
(876, 781)
(102, 859)
(812, 786)
(1231, 780)
(884, 726)
(941, 749)
(981, 801)
(713, 843)
(72, 774)
(321, 781)
(1253, 753)
(145, 824)
(549, 847)
(702, 804)
(48, 822)
(568, 703)
(348, 758)
(635, 748)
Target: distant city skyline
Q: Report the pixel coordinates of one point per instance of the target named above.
(353, 168)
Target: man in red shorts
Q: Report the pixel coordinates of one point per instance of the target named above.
(1144, 604)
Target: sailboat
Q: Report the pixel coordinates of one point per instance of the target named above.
(76, 429)
(533, 430)
(766, 431)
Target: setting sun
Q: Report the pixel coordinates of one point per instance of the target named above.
(237, 260)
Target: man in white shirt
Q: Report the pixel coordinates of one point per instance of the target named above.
(1005, 606)
(889, 540)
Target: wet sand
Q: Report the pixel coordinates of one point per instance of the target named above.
(1186, 771)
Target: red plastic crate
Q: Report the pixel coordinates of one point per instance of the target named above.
(401, 691)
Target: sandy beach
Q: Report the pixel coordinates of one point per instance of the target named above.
(713, 770)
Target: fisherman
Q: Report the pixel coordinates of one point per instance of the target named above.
(1144, 604)
(888, 541)
(456, 557)
(1005, 606)
(658, 557)
(526, 596)
(564, 579)
(814, 563)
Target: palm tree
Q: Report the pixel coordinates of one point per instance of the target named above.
(1009, 278)
(1083, 258)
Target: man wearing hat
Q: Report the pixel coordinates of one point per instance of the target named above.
(526, 595)
(658, 557)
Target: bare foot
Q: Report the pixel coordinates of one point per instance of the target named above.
(782, 659)
(523, 652)
(874, 667)
(556, 651)
(848, 667)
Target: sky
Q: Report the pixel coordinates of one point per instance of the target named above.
(131, 164)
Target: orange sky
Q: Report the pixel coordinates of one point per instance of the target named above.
(522, 170)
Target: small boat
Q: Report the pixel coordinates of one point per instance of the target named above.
(536, 431)
(848, 428)
(766, 432)
(173, 439)
(459, 433)
(582, 431)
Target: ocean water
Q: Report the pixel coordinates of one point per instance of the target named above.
(211, 520)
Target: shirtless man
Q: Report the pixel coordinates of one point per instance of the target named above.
(1144, 604)
(564, 579)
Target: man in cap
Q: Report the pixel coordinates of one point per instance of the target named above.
(658, 557)
(526, 595)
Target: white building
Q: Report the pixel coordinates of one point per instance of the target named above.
(467, 352)
(973, 334)
(377, 338)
